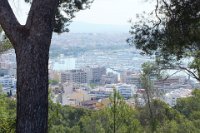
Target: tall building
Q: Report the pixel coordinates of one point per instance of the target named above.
(94, 74)
(76, 76)
(86, 75)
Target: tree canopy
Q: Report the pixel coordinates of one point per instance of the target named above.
(171, 34)
(182, 118)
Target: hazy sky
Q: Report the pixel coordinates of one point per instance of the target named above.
(115, 12)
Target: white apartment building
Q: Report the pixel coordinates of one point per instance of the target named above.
(127, 91)
(8, 84)
(101, 92)
(8, 81)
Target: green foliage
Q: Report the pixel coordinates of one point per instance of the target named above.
(102, 121)
(4, 42)
(148, 71)
(66, 119)
(161, 113)
(190, 106)
(7, 114)
(168, 127)
(93, 85)
(118, 118)
(122, 114)
(1, 89)
(173, 127)
(53, 82)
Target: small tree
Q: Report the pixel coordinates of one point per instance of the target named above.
(122, 114)
(148, 69)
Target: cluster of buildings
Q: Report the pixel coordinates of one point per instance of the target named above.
(101, 92)
(90, 85)
(94, 84)
(89, 75)
(8, 72)
(170, 89)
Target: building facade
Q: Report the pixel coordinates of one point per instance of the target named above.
(76, 76)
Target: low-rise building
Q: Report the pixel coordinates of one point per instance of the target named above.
(8, 81)
(171, 84)
(127, 91)
(101, 92)
(171, 97)
(8, 84)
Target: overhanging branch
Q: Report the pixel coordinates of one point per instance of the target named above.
(190, 72)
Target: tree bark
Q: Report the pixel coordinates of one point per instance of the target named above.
(31, 43)
(32, 86)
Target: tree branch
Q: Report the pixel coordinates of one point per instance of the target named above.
(8, 21)
(190, 72)
(42, 16)
(156, 12)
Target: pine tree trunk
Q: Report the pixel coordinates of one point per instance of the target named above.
(32, 86)
(31, 43)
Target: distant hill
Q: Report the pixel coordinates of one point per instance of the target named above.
(90, 39)
(77, 43)
(82, 27)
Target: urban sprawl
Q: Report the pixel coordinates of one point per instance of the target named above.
(91, 86)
